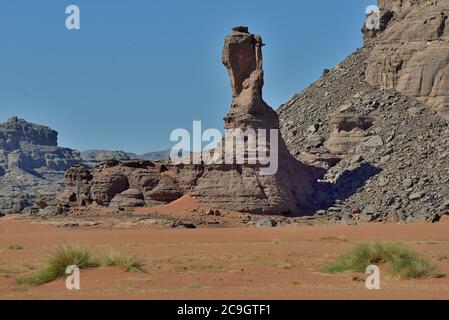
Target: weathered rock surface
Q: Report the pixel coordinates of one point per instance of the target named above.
(242, 187)
(364, 129)
(31, 164)
(236, 186)
(411, 54)
(386, 153)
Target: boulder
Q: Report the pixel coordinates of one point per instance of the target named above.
(128, 199)
(165, 191)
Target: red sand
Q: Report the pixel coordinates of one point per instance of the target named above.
(228, 263)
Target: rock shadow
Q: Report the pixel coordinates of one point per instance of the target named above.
(350, 182)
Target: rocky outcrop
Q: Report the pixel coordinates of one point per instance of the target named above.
(112, 184)
(128, 199)
(411, 54)
(239, 186)
(290, 188)
(31, 164)
(386, 154)
(16, 132)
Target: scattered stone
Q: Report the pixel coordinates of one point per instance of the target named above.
(383, 182)
(315, 140)
(369, 210)
(183, 224)
(416, 195)
(366, 217)
(348, 220)
(373, 142)
(356, 159)
(407, 183)
(313, 128)
(265, 223)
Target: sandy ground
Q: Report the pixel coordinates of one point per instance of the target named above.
(219, 263)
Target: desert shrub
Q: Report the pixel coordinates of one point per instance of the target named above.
(115, 258)
(59, 259)
(15, 247)
(402, 262)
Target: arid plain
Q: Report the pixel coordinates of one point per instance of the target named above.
(218, 263)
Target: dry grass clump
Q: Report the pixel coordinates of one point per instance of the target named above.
(402, 262)
(66, 255)
(115, 258)
(59, 259)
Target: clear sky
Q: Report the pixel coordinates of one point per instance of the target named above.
(137, 69)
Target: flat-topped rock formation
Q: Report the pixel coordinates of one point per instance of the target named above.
(31, 164)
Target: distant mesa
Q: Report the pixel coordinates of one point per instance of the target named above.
(31, 164)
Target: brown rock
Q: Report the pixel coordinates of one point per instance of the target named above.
(166, 191)
(241, 187)
(411, 55)
(128, 198)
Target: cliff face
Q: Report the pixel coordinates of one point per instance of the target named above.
(375, 120)
(16, 131)
(412, 54)
(31, 164)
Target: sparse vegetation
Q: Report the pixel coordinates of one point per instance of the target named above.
(66, 255)
(59, 259)
(115, 258)
(402, 262)
(340, 238)
(287, 265)
(194, 286)
(357, 278)
(15, 247)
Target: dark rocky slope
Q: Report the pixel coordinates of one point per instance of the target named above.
(387, 154)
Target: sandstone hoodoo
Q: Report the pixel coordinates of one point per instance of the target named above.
(31, 164)
(290, 188)
(231, 186)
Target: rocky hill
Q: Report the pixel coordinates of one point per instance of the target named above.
(412, 54)
(31, 164)
(382, 108)
(92, 158)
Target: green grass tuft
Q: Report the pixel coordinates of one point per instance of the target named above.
(15, 247)
(59, 259)
(115, 258)
(194, 285)
(402, 262)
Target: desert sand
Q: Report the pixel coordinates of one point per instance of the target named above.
(219, 263)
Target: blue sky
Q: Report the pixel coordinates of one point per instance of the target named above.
(138, 69)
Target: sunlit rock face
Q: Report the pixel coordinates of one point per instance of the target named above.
(411, 54)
